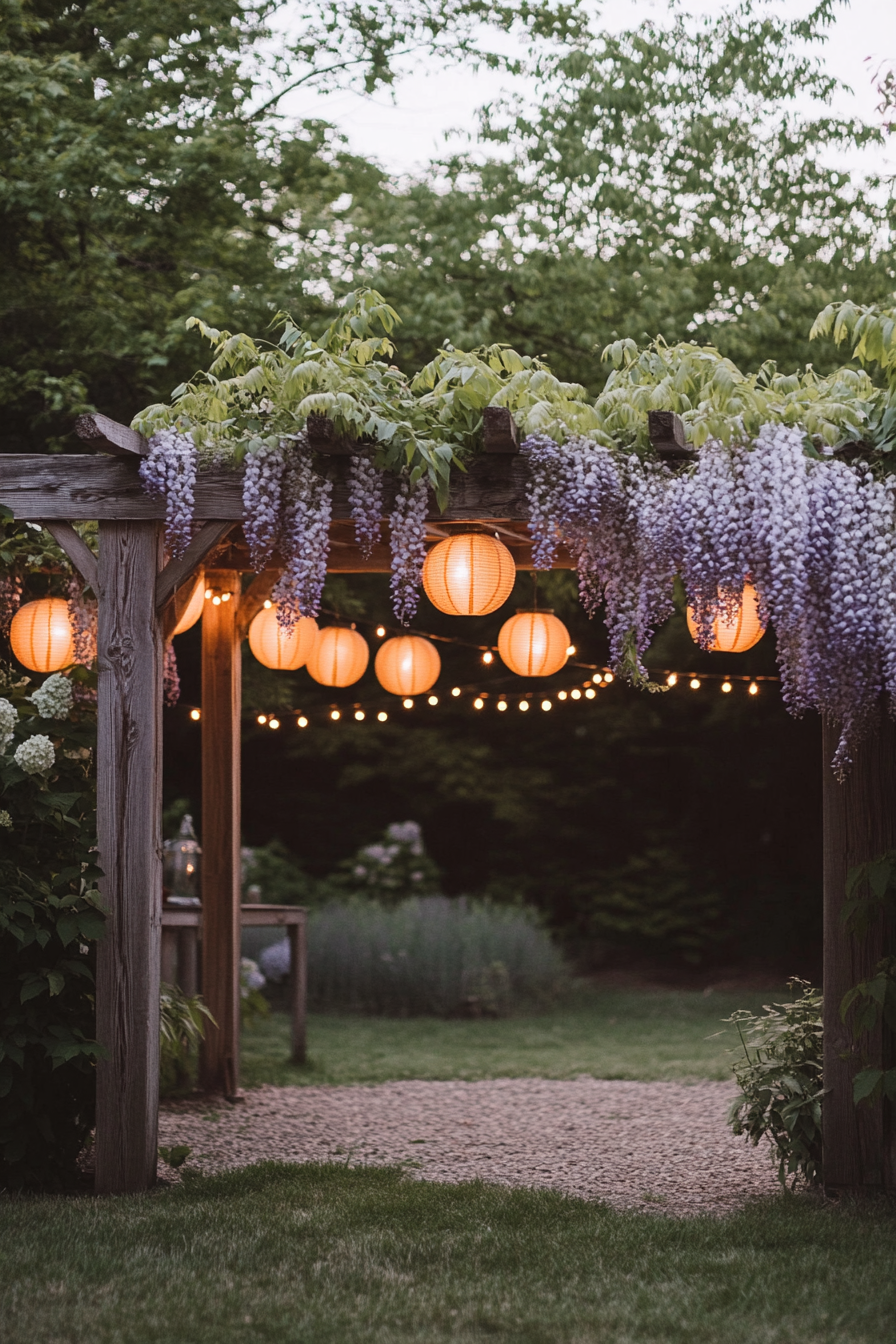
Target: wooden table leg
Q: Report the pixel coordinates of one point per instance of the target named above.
(169, 955)
(298, 960)
(188, 960)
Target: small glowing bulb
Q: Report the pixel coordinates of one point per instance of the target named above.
(334, 715)
(382, 716)
(273, 723)
(694, 684)
(359, 715)
(380, 630)
(576, 694)
(608, 677)
(672, 679)
(268, 604)
(488, 657)
(225, 597)
(561, 695)
(479, 703)
(570, 652)
(262, 718)
(408, 703)
(501, 705)
(208, 592)
(546, 705)
(597, 679)
(726, 686)
(301, 721)
(524, 705)
(455, 691)
(753, 688)
(216, 600)
(432, 700)
(195, 715)
(191, 868)
(590, 693)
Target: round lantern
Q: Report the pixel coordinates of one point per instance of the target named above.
(338, 656)
(41, 635)
(193, 609)
(534, 643)
(739, 634)
(275, 647)
(407, 665)
(469, 575)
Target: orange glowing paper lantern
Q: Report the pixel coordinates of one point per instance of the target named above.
(275, 647)
(407, 665)
(193, 610)
(41, 635)
(470, 574)
(338, 657)
(739, 634)
(533, 643)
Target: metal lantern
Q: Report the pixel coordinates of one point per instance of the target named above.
(407, 665)
(181, 866)
(470, 574)
(278, 648)
(534, 643)
(41, 635)
(740, 633)
(193, 609)
(338, 657)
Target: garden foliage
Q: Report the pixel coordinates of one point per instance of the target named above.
(50, 921)
(427, 955)
(182, 1022)
(780, 1080)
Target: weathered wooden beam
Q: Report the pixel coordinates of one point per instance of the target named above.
(500, 433)
(322, 436)
(109, 436)
(859, 824)
(667, 434)
(178, 571)
(75, 488)
(129, 775)
(76, 548)
(221, 713)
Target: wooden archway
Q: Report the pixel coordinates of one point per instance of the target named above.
(140, 598)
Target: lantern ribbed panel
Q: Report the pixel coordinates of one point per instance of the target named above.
(41, 635)
(339, 656)
(407, 665)
(740, 634)
(533, 644)
(469, 574)
(192, 611)
(276, 648)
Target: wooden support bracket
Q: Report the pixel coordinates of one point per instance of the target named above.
(178, 571)
(109, 436)
(77, 550)
(667, 434)
(254, 598)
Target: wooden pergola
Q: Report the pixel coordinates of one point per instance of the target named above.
(140, 598)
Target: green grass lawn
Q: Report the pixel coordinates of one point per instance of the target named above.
(637, 1034)
(330, 1255)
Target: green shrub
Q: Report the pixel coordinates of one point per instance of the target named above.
(780, 1080)
(427, 955)
(50, 920)
(181, 1029)
(392, 869)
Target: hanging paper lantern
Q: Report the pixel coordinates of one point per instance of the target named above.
(407, 665)
(41, 635)
(275, 647)
(193, 609)
(534, 643)
(338, 657)
(470, 574)
(739, 634)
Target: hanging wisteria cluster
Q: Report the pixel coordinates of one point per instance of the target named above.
(815, 534)
(365, 500)
(169, 469)
(407, 535)
(306, 510)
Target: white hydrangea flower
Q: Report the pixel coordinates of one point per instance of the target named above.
(54, 699)
(8, 720)
(35, 756)
(5, 821)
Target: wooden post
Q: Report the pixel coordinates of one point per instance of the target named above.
(129, 774)
(298, 960)
(221, 709)
(859, 824)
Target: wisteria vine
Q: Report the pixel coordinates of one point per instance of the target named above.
(407, 532)
(306, 511)
(365, 499)
(169, 469)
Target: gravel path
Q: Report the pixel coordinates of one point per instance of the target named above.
(661, 1146)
